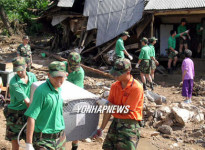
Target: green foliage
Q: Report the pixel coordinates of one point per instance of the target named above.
(24, 11)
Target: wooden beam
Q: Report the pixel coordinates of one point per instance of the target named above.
(84, 67)
(107, 48)
(143, 25)
(152, 25)
(179, 12)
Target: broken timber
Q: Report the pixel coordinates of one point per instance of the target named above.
(85, 67)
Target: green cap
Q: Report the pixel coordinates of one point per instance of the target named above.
(74, 58)
(19, 64)
(25, 37)
(57, 69)
(125, 33)
(152, 39)
(121, 66)
(144, 39)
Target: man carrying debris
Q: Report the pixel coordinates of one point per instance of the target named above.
(76, 76)
(120, 50)
(183, 38)
(24, 50)
(126, 91)
(19, 88)
(171, 47)
(144, 63)
(154, 62)
(45, 125)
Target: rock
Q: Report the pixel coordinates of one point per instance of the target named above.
(196, 134)
(106, 93)
(165, 129)
(155, 133)
(165, 110)
(182, 116)
(175, 145)
(168, 122)
(198, 118)
(106, 88)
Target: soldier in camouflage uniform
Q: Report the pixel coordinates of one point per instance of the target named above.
(144, 63)
(19, 88)
(24, 50)
(126, 91)
(46, 125)
(76, 76)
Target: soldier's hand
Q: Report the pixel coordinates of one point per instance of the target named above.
(156, 62)
(184, 37)
(102, 102)
(137, 65)
(176, 52)
(99, 133)
(201, 28)
(29, 146)
(130, 57)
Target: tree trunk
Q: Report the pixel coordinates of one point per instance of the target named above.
(4, 18)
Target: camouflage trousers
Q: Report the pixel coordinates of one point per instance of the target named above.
(46, 142)
(28, 62)
(145, 66)
(153, 65)
(122, 135)
(172, 55)
(15, 120)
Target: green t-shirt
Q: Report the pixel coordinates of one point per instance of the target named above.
(47, 109)
(152, 50)
(145, 52)
(119, 48)
(198, 26)
(172, 41)
(20, 91)
(181, 29)
(24, 50)
(76, 77)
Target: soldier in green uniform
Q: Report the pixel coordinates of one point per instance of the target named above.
(45, 125)
(24, 50)
(144, 63)
(171, 46)
(120, 50)
(154, 62)
(19, 88)
(76, 76)
(199, 30)
(183, 38)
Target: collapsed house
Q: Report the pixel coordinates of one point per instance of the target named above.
(94, 25)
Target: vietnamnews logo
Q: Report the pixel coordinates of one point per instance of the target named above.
(101, 109)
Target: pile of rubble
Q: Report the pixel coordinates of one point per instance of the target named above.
(181, 120)
(199, 88)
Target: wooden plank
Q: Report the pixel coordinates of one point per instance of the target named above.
(152, 26)
(143, 25)
(132, 46)
(179, 12)
(203, 40)
(84, 67)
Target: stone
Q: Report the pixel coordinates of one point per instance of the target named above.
(165, 129)
(198, 118)
(155, 133)
(196, 134)
(106, 93)
(182, 116)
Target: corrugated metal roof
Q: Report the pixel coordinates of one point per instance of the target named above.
(174, 4)
(112, 17)
(65, 3)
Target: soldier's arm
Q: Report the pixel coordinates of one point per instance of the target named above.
(106, 118)
(30, 130)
